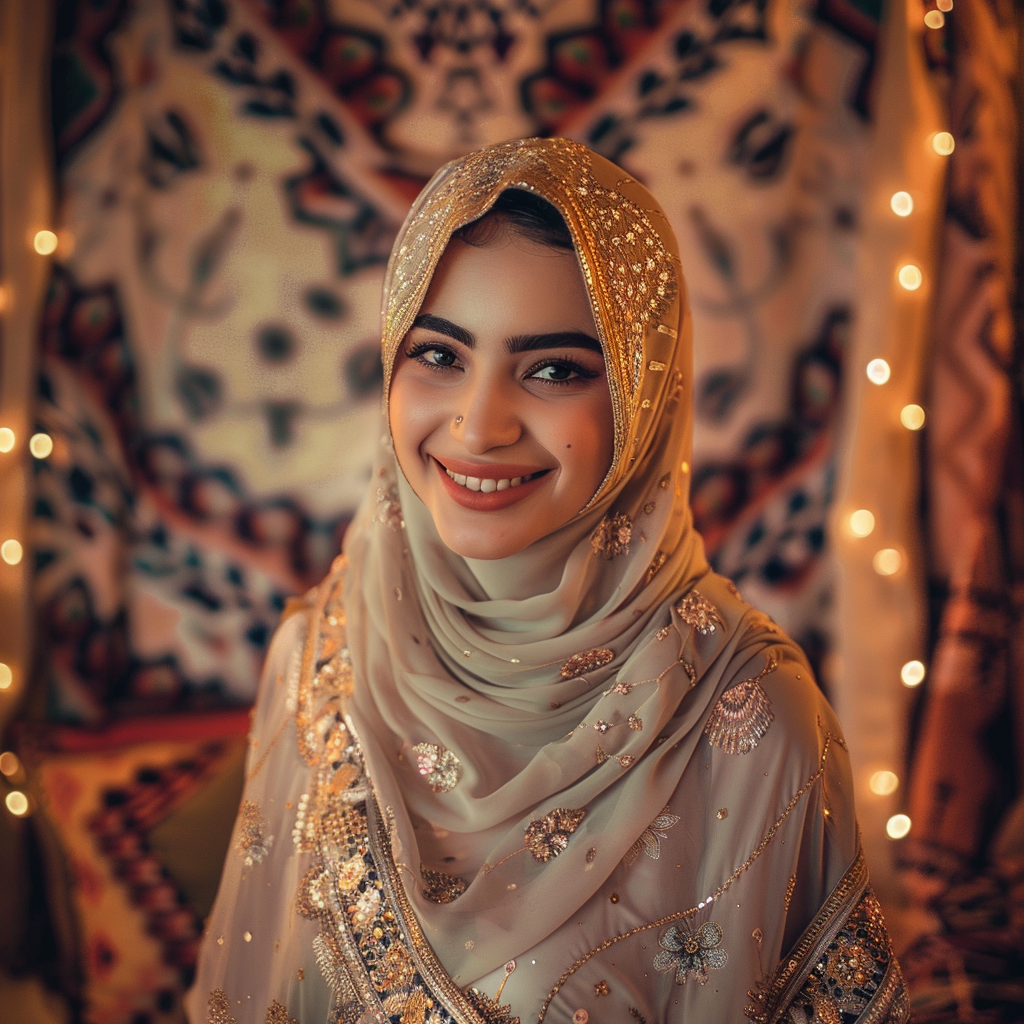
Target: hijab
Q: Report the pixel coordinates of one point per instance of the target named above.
(518, 746)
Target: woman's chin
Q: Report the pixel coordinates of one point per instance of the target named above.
(484, 545)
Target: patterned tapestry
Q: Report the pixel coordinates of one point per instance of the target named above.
(232, 174)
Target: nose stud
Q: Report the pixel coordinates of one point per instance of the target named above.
(458, 420)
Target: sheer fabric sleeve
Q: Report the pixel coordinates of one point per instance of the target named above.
(256, 963)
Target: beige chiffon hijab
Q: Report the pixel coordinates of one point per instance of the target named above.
(519, 738)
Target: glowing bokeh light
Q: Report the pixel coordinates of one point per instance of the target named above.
(912, 417)
(897, 826)
(7, 439)
(11, 552)
(6, 676)
(910, 277)
(878, 371)
(943, 143)
(45, 242)
(887, 562)
(884, 783)
(913, 673)
(17, 803)
(9, 763)
(40, 445)
(945, 5)
(902, 204)
(862, 522)
(935, 19)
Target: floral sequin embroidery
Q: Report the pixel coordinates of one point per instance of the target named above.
(651, 837)
(612, 536)
(388, 511)
(586, 661)
(489, 1009)
(697, 611)
(218, 1008)
(547, 837)
(438, 765)
(742, 715)
(691, 954)
(657, 563)
(277, 1013)
(252, 841)
(440, 887)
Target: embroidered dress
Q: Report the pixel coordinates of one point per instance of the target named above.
(468, 778)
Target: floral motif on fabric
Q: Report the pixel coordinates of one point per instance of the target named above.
(657, 563)
(856, 977)
(612, 536)
(742, 715)
(651, 837)
(218, 1008)
(388, 511)
(547, 837)
(251, 840)
(438, 765)
(277, 1013)
(489, 1009)
(697, 611)
(586, 661)
(691, 954)
(440, 887)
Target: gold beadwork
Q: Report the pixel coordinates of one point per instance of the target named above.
(612, 536)
(440, 887)
(742, 715)
(277, 1013)
(438, 765)
(388, 511)
(218, 1008)
(489, 1009)
(657, 562)
(547, 837)
(586, 661)
(601, 988)
(635, 722)
(722, 813)
(697, 611)
(252, 841)
(651, 837)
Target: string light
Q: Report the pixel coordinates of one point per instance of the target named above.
(9, 763)
(45, 242)
(17, 803)
(40, 445)
(878, 371)
(902, 204)
(887, 562)
(935, 19)
(897, 826)
(910, 277)
(913, 673)
(945, 5)
(7, 439)
(862, 522)
(912, 417)
(884, 783)
(6, 676)
(943, 143)
(11, 552)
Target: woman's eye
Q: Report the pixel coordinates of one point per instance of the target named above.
(555, 372)
(439, 356)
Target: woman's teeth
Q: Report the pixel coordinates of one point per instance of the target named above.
(475, 483)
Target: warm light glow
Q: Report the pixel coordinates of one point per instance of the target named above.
(6, 676)
(912, 673)
(910, 277)
(887, 562)
(5, 297)
(943, 143)
(884, 783)
(862, 522)
(897, 826)
(912, 417)
(935, 19)
(45, 242)
(7, 439)
(9, 763)
(902, 204)
(878, 371)
(40, 445)
(17, 802)
(945, 5)
(10, 552)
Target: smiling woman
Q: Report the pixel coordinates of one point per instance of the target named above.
(537, 760)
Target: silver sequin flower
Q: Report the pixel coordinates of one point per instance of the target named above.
(691, 954)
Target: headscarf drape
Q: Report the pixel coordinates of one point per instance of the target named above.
(499, 728)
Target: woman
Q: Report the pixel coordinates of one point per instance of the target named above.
(522, 755)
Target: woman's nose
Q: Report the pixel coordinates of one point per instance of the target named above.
(490, 417)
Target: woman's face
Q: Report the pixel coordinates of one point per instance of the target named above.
(499, 405)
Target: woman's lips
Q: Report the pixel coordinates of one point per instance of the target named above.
(492, 492)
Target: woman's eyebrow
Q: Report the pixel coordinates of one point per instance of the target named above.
(556, 339)
(440, 325)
